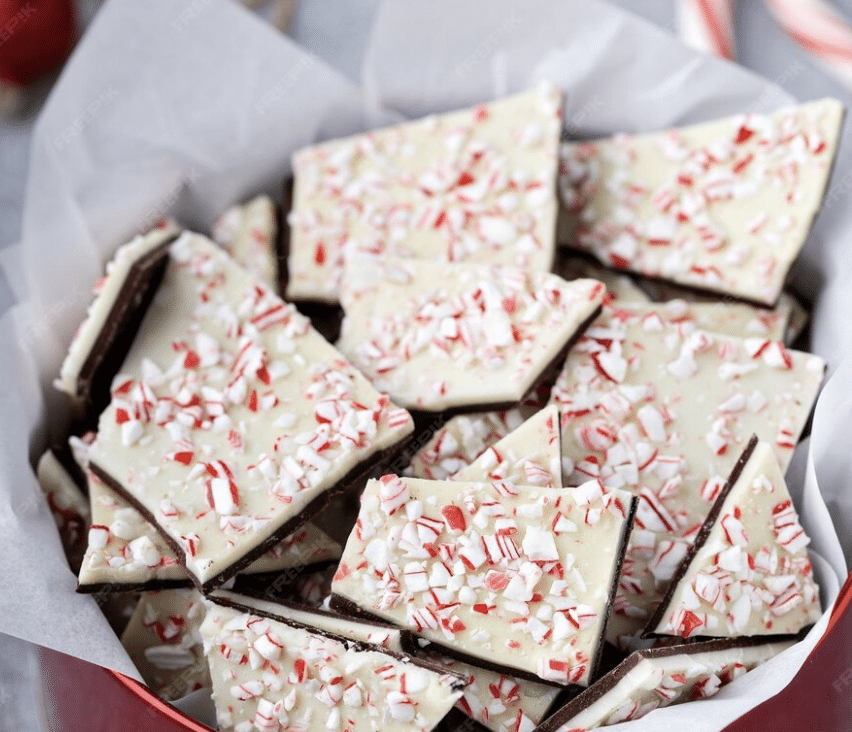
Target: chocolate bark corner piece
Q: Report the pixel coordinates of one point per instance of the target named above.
(68, 504)
(513, 578)
(493, 700)
(454, 338)
(660, 677)
(377, 633)
(450, 446)
(244, 420)
(268, 672)
(573, 265)
(709, 205)
(162, 640)
(748, 571)
(121, 299)
(125, 553)
(529, 455)
(249, 233)
(476, 185)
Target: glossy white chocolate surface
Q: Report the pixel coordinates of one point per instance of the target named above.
(752, 576)
(722, 206)
(231, 414)
(436, 336)
(518, 576)
(274, 677)
(477, 185)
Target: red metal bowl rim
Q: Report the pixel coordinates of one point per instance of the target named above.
(163, 707)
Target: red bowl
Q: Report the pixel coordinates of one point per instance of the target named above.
(83, 697)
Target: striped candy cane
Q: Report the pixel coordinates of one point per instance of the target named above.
(820, 30)
(707, 25)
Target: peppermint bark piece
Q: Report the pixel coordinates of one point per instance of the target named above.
(530, 455)
(723, 206)
(660, 677)
(374, 633)
(516, 578)
(499, 702)
(125, 552)
(272, 676)
(68, 504)
(740, 320)
(478, 185)
(121, 297)
(437, 337)
(461, 440)
(748, 571)
(665, 415)
(162, 639)
(572, 266)
(248, 233)
(233, 422)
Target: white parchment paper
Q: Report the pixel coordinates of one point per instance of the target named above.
(181, 110)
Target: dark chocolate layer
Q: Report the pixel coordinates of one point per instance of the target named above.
(264, 585)
(109, 588)
(122, 323)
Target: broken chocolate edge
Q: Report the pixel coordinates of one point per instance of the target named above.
(547, 375)
(608, 682)
(700, 540)
(120, 327)
(118, 588)
(311, 509)
(613, 590)
(461, 681)
(345, 606)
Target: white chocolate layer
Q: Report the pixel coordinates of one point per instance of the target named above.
(619, 286)
(665, 415)
(106, 292)
(515, 575)
(162, 639)
(723, 206)
(660, 682)
(478, 185)
(124, 548)
(376, 634)
(461, 440)
(232, 414)
(274, 677)
(438, 336)
(63, 491)
(752, 575)
(726, 318)
(530, 455)
(248, 232)
(782, 322)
